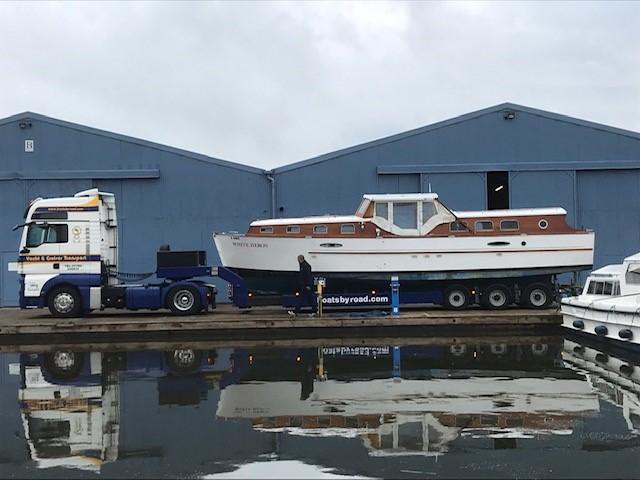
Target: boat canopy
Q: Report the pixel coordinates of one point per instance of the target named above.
(405, 214)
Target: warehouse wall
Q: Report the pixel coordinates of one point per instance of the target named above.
(163, 195)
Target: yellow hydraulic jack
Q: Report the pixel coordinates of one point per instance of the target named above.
(320, 284)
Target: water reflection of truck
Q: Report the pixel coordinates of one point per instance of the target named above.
(409, 400)
(70, 401)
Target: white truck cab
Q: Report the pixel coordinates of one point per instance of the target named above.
(68, 261)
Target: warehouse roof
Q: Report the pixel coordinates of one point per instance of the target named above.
(453, 121)
(335, 154)
(125, 138)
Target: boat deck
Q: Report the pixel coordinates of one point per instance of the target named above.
(228, 321)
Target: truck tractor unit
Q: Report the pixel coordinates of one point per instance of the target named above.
(68, 262)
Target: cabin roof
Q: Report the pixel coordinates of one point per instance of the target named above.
(408, 197)
(635, 258)
(307, 220)
(513, 212)
(608, 270)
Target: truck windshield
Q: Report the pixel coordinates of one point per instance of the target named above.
(39, 234)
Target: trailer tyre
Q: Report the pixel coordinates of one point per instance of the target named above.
(457, 297)
(536, 295)
(184, 300)
(64, 301)
(64, 364)
(496, 297)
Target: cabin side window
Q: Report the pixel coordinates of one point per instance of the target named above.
(633, 274)
(39, 234)
(405, 215)
(382, 210)
(428, 210)
(266, 229)
(293, 229)
(509, 225)
(484, 226)
(458, 226)
(320, 229)
(347, 229)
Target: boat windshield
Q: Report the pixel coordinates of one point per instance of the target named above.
(603, 287)
(405, 215)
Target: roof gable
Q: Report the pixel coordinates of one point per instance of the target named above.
(125, 138)
(453, 121)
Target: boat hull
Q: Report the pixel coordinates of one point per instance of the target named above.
(360, 264)
(601, 320)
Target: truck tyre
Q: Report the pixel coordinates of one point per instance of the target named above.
(536, 295)
(64, 301)
(184, 300)
(457, 297)
(183, 360)
(64, 364)
(496, 297)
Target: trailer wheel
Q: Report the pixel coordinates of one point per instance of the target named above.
(536, 295)
(456, 297)
(64, 364)
(184, 300)
(64, 301)
(497, 296)
(183, 360)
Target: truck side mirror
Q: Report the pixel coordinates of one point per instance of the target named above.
(25, 250)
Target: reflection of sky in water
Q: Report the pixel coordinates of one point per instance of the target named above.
(538, 407)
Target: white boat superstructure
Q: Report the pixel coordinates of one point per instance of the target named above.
(609, 306)
(412, 235)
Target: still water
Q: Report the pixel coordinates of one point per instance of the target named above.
(525, 406)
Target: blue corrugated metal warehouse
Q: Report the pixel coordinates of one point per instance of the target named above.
(503, 156)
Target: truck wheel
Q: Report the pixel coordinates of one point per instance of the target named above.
(456, 297)
(536, 295)
(184, 300)
(496, 297)
(183, 360)
(64, 364)
(64, 301)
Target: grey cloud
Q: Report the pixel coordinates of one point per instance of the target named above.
(270, 83)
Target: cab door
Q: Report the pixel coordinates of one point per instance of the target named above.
(41, 246)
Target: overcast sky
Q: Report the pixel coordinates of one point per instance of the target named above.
(267, 84)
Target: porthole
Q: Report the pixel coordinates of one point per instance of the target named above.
(543, 224)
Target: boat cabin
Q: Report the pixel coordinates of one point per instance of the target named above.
(416, 215)
(615, 280)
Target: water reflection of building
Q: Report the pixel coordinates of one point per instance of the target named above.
(614, 374)
(417, 400)
(70, 401)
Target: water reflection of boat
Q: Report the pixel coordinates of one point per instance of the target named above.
(413, 400)
(613, 373)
